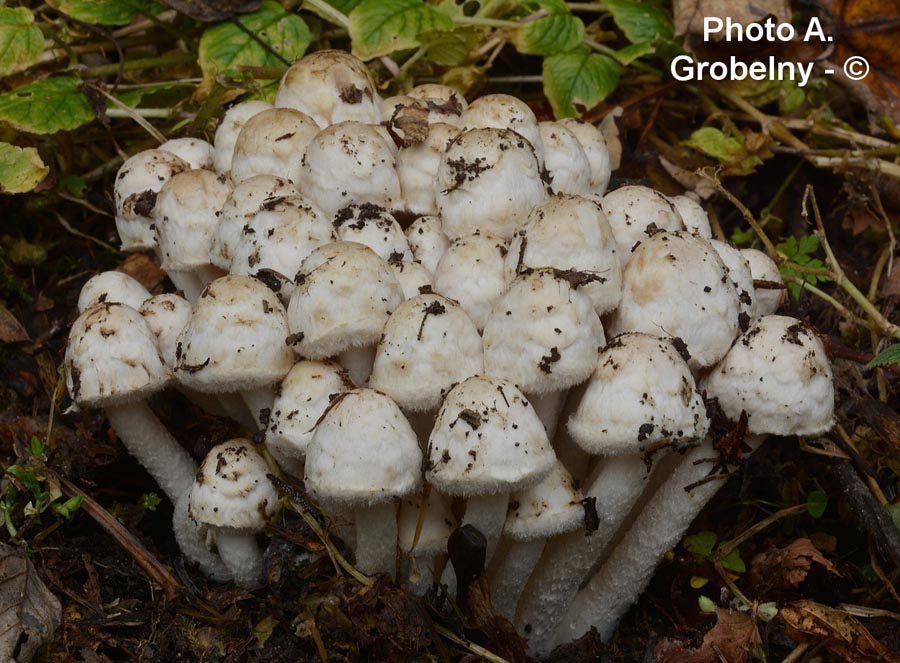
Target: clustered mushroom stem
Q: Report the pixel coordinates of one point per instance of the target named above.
(376, 538)
(237, 409)
(548, 408)
(241, 554)
(154, 447)
(659, 526)
(192, 542)
(487, 513)
(206, 274)
(512, 564)
(187, 282)
(358, 362)
(258, 400)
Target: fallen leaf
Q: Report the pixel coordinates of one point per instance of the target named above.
(845, 637)
(11, 330)
(143, 269)
(789, 565)
(689, 14)
(209, 11)
(731, 639)
(29, 612)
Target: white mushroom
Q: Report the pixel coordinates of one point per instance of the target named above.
(503, 111)
(421, 546)
(591, 139)
(767, 281)
(374, 227)
(417, 168)
(565, 161)
(229, 129)
(427, 240)
(695, 218)
(741, 278)
(196, 151)
(635, 213)
(272, 142)
(109, 287)
(413, 278)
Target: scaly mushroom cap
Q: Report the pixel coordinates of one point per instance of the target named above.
(763, 268)
(503, 111)
(471, 272)
(641, 392)
(547, 509)
(228, 131)
(166, 315)
(565, 160)
(777, 372)
(636, 212)
(303, 397)
(570, 233)
(246, 199)
(111, 287)
(235, 339)
(437, 525)
(232, 489)
(112, 358)
(330, 86)
(137, 183)
(412, 277)
(185, 220)
(344, 295)
(374, 227)
(272, 143)
(594, 145)
(543, 335)
(363, 452)
(349, 163)
(487, 439)
(417, 168)
(677, 284)
(695, 218)
(741, 278)
(280, 236)
(427, 240)
(488, 179)
(428, 345)
(444, 103)
(196, 151)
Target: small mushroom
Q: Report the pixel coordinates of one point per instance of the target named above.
(565, 161)
(427, 240)
(228, 130)
(770, 290)
(636, 212)
(196, 151)
(594, 145)
(272, 142)
(109, 287)
(695, 218)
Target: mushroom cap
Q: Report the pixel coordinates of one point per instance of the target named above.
(196, 151)
(428, 345)
(417, 169)
(437, 524)
(246, 199)
(739, 273)
(763, 268)
(570, 233)
(303, 397)
(138, 181)
(488, 179)
(112, 357)
(330, 86)
(565, 160)
(280, 236)
(375, 227)
(543, 335)
(678, 285)
(272, 143)
(166, 315)
(594, 145)
(779, 373)
(236, 338)
(413, 278)
(185, 220)
(634, 213)
(695, 218)
(111, 286)
(487, 439)
(349, 163)
(641, 392)
(471, 272)
(444, 103)
(228, 130)
(504, 111)
(344, 295)
(427, 240)
(551, 507)
(232, 490)
(363, 452)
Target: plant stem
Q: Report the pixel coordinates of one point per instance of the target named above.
(748, 217)
(132, 65)
(486, 22)
(143, 112)
(327, 11)
(831, 301)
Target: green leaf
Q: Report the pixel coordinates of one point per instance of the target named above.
(698, 581)
(816, 503)
(103, 12)
(380, 27)
(894, 510)
(344, 6)
(21, 169)
(701, 544)
(21, 41)
(36, 447)
(767, 611)
(629, 54)
(800, 253)
(149, 501)
(451, 49)
(225, 46)
(890, 355)
(712, 142)
(578, 77)
(641, 21)
(706, 604)
(46, 106)
(549, 35)
(68, 508)
(733, 562)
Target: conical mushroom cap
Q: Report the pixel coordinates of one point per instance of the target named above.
(548, 508)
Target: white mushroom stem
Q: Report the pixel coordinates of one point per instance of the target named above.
(417, 572)
(241, 554)
(376, 538)
(358, 361)
(154, 447)
(188, 282)
(257, 400)
(512, 565)
(237, 409)
(487, 513)
(548, 407)
(616, 483)
(658, 528)
(191, 539)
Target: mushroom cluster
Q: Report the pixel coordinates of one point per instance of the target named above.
(435, 315)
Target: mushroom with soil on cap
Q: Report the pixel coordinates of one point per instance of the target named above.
(228, 131)
(778, 377)
(767, 282)
(694, 217)
(636, 212)
(417, 169)
(272, 143)
(109, 287)
(504, 111)
(742, 279)
(196, 151)
(364, 456)
(427, 241)
(413, 278)
(486, 443)
(375, 227)
(594, 145)
(565, 161)
(233, 496)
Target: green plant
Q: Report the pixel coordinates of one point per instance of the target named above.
(801, 253)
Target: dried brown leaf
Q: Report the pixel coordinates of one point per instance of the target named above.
(689, 14)
(143, 269)
(731, 639)
(208, 11)
(11, 330)
(790, 565)
(29, 612)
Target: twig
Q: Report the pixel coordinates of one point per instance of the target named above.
(748, 216)
(476, 649)
(796, 653)
(65, 224)
(749, 533)
(824, 296)
(149, 128)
